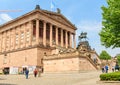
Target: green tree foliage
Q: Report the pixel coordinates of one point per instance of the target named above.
(104, 55)
(118, 58)
(110, 33)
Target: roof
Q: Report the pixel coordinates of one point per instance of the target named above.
(55, 15)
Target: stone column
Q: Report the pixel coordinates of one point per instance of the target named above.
(37, 31)
(5, 36)
(66, 43)
(0, 42)
(10, 31)
(19, 36)
(31, 32)
(44, 33)
(61, 37)
(74, 41)
(24, 35)
(51, 35)
(14, 38)
(56, 36)
(70, 39)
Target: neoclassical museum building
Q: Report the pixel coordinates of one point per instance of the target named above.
(44, 39)
(25, 40)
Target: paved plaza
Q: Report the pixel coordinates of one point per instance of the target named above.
(82, 78)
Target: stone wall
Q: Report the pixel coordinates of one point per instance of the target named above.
(19, 58)
(40, 53)
(85, 65)
(61, 65)
(68, 62)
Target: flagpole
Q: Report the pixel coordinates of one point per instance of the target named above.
(53, 6)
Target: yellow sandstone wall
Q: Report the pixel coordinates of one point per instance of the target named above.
(61, 65)
(85, 65)
(41, 52)
(74, 64)
(19, 58)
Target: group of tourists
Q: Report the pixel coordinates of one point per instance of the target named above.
(114, 68)
(35, 72)
(105, 69)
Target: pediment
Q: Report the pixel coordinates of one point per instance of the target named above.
(60, 18)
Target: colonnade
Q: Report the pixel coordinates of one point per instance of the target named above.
(36, 32)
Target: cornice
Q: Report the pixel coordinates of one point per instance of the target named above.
(44, 12)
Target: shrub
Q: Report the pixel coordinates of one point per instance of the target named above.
(1, 73)
(115, 76)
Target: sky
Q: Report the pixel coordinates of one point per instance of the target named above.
(85, 14)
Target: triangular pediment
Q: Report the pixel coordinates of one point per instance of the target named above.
(56, 16)
(59, 17)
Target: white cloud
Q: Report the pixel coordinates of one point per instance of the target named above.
(89, 25)
(93, 28)
(0, 20)
(4, 18)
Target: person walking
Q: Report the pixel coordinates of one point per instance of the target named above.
(113, 68)
(35, 72)
(106, 68)
(103, 69)
(26, 73)
(39, 72)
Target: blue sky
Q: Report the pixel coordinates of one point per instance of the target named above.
(85, 14)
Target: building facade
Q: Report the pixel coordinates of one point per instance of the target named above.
(25, 40)
(72, 60)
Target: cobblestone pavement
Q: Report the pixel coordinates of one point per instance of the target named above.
(82, 78)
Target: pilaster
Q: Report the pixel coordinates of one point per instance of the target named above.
(5, 36)
(0, 42)
(14, 38)
(24, 43)
(19, 37)
(31, 32)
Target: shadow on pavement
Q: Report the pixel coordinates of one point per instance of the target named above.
(2, 79)
(7, 84)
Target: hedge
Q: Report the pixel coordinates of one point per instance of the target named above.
(1, 73)
(115, 76)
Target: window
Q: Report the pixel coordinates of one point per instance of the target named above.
(5, 60)
(7, 41)
(27, 36)
(16, 39)
(11, 41)
(22, 37)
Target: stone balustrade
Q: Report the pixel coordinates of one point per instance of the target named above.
(64, 55)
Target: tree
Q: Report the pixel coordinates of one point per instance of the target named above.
(110, 33)
(118, 58)
(104, 55)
